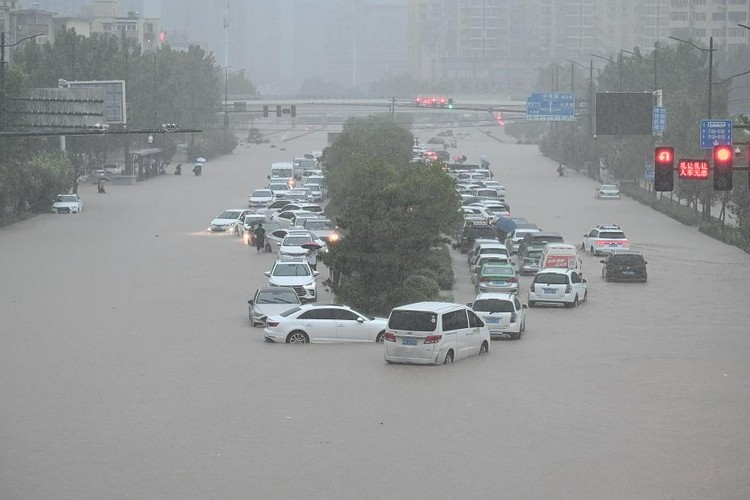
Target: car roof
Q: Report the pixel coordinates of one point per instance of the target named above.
(624, 251)
(545, 234)
(436, 307)
(556, 270)
(560, 246)
(493, 244)
(495, 295)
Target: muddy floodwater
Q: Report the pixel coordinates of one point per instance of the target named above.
(129, 369)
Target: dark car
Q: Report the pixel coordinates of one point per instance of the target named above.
(624, 265)
(473, 230)
(538, 240)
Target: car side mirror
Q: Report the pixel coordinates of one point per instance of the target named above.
(278, 243)
(315, 273)
(360, 320)
(268, 274)
(469, 304)
(250, 301)
(524, 306)
(603, 261)
(584, 281)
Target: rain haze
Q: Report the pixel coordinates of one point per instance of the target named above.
(129, 365)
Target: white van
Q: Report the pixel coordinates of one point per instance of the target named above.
(431, 333)
(560, 256)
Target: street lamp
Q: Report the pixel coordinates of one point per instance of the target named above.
(646, 59)
(710, 51)
(591, 89)
(226, 96)
(2, 53)
(610, 61)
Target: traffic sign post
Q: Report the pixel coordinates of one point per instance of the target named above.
(551, 107)
(715, 133)
(659, 119)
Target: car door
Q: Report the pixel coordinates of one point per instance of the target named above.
(458, 327)
(577, 285)
(588, 241)
(320, 324)
(475, 331)
(351, 327)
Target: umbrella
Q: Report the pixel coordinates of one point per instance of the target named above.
(200, 160)
(310, 245)
(505, 224)
(460, 158)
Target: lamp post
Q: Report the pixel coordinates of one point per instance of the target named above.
(610, 61)
(226, 96)
(3, 45)
(646, 59)
(591, 90)
(710, 51)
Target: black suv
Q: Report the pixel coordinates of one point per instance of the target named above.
(624, 265)
(473, 230)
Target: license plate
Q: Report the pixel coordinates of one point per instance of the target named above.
(549, 291)
(497, 283)
(493, 320)
(628, 273)
(409, 341)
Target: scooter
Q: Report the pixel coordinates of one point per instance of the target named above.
(178, 169)
(198, 170)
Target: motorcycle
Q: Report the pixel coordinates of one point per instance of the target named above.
(198, 169)
(178, 169)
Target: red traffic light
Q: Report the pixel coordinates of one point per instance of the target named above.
(664, 168)
(722, 154)
(723, 165)
(664, 155)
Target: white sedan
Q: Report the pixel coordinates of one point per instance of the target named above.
(67, 204)
(325, 324)
(229, 220)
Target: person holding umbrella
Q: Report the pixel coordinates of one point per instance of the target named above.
(312, 255)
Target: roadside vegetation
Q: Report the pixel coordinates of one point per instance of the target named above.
(165, 86)
(393, 216)
(682, 75)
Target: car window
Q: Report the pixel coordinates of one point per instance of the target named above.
(228, 214)
(627, 260)
(574, 278)
(516, 302)
(277, 297)
(612, 234)
(551, 279)
(455, 320)
(279, 233)
(346, 315)
(593, 233)
(493, 305)
(291, 269)
(319, 313)
(474, 320)
(295, 241)
(68, 198)
(418, 321)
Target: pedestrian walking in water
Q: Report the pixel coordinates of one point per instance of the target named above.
(100, 186)
(260, 238)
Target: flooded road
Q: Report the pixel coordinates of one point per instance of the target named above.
(128, 368)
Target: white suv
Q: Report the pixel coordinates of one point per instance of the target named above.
(605, 237)
(297, 275)
(503, 313)
(431, 333)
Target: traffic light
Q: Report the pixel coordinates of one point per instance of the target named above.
(723, 158)
(450, 103)
(294, 111)
(265, 111)
(278, 111)
(664, 168)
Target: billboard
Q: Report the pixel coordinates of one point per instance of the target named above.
(62, 108)
(114, 97)
(624, 113)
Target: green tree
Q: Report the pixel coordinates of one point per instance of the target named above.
(391, 213)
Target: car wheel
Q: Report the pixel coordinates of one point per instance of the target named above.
(268, 248)
(585, 296)
(380, 337)
(484, 348)
(297, 337)
(523, 327)
(532, 303)
(448, 358)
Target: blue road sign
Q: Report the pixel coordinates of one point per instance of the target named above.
(715, 133)
(551, 107)
(659, 119)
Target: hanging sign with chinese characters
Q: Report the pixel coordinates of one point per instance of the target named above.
(693, 169)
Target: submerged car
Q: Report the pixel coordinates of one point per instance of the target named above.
(624, 265)
(503, 314)
(228, 220)
(496, 277)
(608, 192)
(297, 275)
(270, 301)
(67, 204)
(323, 323)
(558, 286)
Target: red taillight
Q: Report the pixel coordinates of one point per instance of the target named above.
(272, 324)
(513, 280)
(432, 339)
(513, 317)
(568, 288)
(389, 337)
(484, 279)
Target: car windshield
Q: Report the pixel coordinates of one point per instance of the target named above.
(295, 241)
(277, 297)
(493, 305)
(418, 321)
(607, 187)
(534, 254)
(279, 187)
(551, 279)
(318, 224)
(261, 193)
(627, 260)
(229, 214)
(251, 220)
(495, 269)
(291, 269)
(67, 198)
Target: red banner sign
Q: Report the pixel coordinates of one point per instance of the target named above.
(693, 169)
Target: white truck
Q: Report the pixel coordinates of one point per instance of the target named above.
(304, 164)
(282, 170)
